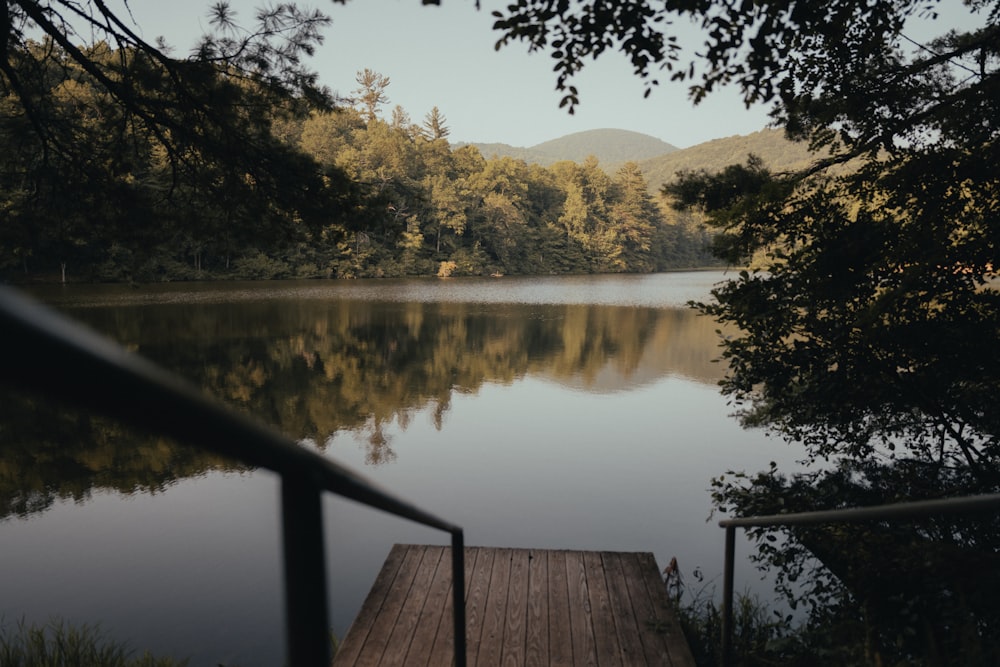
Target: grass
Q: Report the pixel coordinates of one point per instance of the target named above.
(757, 634)
(57, 644)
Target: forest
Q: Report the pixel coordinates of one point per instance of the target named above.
(92, 195)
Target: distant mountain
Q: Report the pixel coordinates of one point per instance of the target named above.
(610, 147)
(777, 152)
(658, 160)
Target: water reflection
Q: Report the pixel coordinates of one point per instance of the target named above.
(49, 452)
(316, 368)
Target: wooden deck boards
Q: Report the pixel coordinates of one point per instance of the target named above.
(523, 607)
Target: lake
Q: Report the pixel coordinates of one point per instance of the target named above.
(548, 412)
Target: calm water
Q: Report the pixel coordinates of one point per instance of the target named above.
(570, 412)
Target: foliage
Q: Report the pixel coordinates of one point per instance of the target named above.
(863, 337)
(58, 644)
(821, 66)
(762, 635)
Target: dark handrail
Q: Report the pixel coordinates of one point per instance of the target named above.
(917, 508)
(50, 354)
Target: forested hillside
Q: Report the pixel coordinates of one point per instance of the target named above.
(771, 146)
(343, 194)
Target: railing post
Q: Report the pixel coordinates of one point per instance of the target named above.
(727, 597)
(458, 594)
(307, 629)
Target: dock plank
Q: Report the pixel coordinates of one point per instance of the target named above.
(605, 632)
(475, 602)
(523, 607)
(581, 623)
(418, 622)
(377, 642)
(536, 649)
(350, 648)
(560, 635)
(628, 632)
(443, 652)
(647, 612)
(515, 627)
(491, 642)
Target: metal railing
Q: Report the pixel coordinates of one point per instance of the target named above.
(50, 354)
(914, 509)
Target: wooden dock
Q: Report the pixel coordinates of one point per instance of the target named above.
(523, 607)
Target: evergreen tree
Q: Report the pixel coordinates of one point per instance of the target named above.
(434, 125)
(634, 217)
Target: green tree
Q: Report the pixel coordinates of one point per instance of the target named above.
(449, 194)
(634, 217)
(586, 215)
(326, 134)
(68, 205)
(449, 208)
(435, 125)
(501, 215)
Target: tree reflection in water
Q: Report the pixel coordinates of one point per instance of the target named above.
(319, 368)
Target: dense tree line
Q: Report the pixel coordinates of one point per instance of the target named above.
(433, 210)
(93, 194)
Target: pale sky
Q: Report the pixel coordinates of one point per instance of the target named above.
(443, 56)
